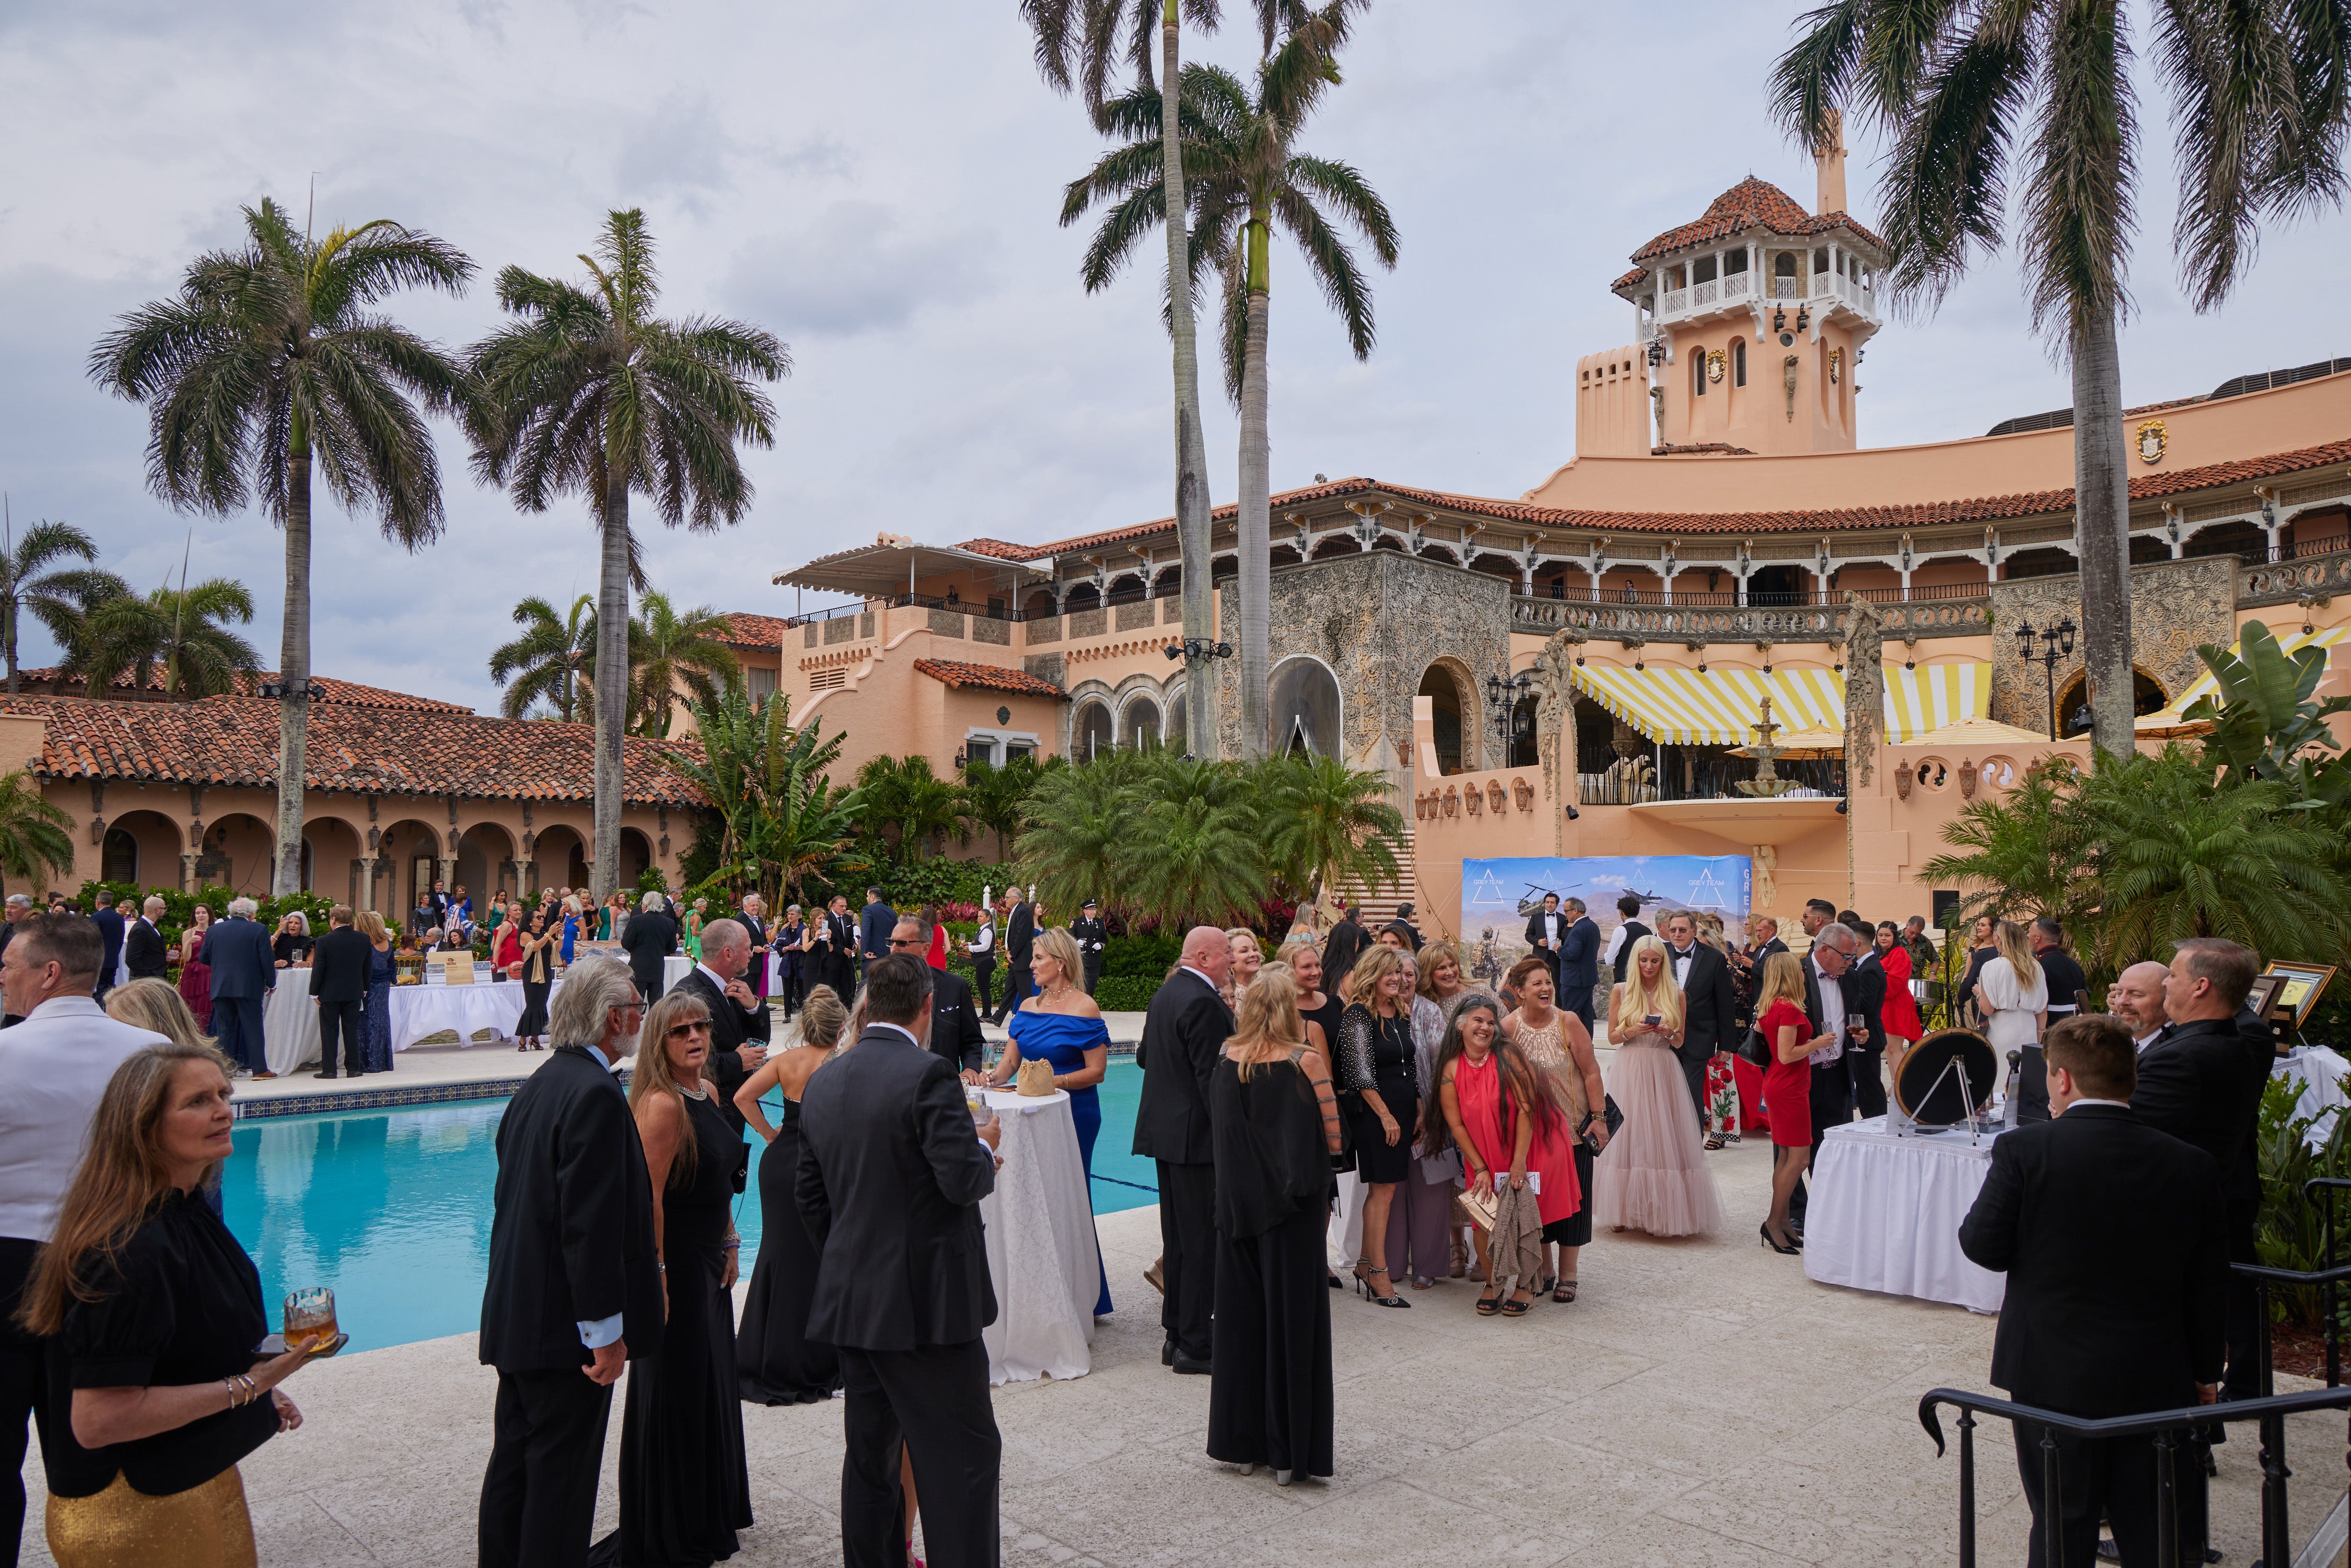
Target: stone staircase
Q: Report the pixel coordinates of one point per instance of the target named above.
(1379, 906)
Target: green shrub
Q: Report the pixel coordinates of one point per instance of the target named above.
(1124, 993)
(2289, 1231)
(180, 908)
(1147, 957)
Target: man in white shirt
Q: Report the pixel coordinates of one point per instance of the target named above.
(982, 948)
(53, 1067)
(2136, 999)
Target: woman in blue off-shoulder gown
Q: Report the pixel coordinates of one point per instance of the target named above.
(1061, 1025)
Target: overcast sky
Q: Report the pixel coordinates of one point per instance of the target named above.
(879, 186)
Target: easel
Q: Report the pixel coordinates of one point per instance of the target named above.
(1905, 1125)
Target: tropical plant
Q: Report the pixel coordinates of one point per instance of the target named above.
(2268, 721)
(1084, 43)
(2178, 854)
(590, 393)
(72, 617)
(34, 836)
(669, 649)
(1329, 823)
(1196, 856)
(1246, 177)
(183, 633)
(58, 600)
(2262, 94)
(270, 360)
(903, 793)
(1077, 830)
(2018, 854)
(993, 796)
(781, 822)
(553, 661)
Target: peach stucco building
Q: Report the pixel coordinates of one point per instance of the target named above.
(1720, 535)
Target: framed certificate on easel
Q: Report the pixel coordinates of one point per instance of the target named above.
(2299, 987)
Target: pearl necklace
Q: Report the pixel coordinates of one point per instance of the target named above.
(694, 1093)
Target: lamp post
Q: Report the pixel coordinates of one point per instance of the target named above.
(2056, 643)
(1502, 694)
(1198, 651)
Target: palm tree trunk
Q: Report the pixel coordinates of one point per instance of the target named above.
(612, 677)
(294, 670)
(1191, 445)
(13, 604)
(1256, 483)
(2102, 532)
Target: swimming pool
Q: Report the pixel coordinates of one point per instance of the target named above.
(391, 1209)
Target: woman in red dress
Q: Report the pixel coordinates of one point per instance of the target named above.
(1497, 1111)
(195, 975)
(1787, 1031)
(938, 952)
(1900, 1013)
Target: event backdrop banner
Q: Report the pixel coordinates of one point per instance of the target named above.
(1498, 896)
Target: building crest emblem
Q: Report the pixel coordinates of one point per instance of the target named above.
(1714, 364)
(2152, 441)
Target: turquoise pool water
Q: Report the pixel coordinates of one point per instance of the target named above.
(391, 1209)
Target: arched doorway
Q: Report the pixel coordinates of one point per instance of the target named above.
(142, 848)
(118, 858)
(1454, 703)
(237, 854)
(2073, 701)
(636, 856)
(1523, 750)
(1138, 723)
(483, 857)
(1091, 730)
(411, 862)
(1305, 708)
(561, 856)
(330, 852)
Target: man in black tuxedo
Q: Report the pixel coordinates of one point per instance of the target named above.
(1628, 931)
(1865, 1054)
(2202, 1082)
(1183, 1034)
(1546, 927)
(1020, 947)
(754, 919)
(1828, 981)
(2136, 997)
(1709, 1002)
(1403, 926)
(2066, 983)
(874, 923)
(889, 1184)
(245, 971)
(144, 952)
(954, 1036)
(338, 986)
(1092, 938)
(734, 1052)
(108, 921)
(2109, 1231)
(835, 951)
(648, 938)
(575, 1287)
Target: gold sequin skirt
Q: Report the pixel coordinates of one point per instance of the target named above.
(203, 1527)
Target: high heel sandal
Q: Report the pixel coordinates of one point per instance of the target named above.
(1516, 1309)
(1390, 1299)
(1489, 1305)
(1764, 1231)
(1564, 1292)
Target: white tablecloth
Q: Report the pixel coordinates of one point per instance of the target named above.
(2320, 1073)
(1885, 1211)
(1041, 1250)
(289, 1019)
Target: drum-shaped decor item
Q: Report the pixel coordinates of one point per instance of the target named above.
(1928, 1087)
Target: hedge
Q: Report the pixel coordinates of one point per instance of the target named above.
(1124, 993)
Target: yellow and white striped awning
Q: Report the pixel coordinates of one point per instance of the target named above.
(2173, 717)
(1720, 708)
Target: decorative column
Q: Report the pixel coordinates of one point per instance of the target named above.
(367, 866)
(187, 873)
(448, 870)
(525, 877)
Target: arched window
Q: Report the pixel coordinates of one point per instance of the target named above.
(1738, 362)
(118, 857)
(1093, 732)
(1697, 370)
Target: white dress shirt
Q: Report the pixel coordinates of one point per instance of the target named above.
(985, 942)
(600, 1331)
(1832, 1015)
(53, 1067)
(1551, 930)
(1683, 958)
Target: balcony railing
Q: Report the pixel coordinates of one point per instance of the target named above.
(1762, 599)
(911, 601)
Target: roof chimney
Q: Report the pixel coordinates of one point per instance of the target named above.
(1830, 157)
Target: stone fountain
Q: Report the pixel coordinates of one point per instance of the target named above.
(1766, 784)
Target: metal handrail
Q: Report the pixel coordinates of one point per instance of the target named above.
(910, 600)
(2271, 1411)
(1759, 599)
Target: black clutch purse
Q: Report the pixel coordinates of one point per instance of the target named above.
(1753, 1050)
(1614, 1117)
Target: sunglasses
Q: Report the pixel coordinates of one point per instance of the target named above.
(699, 1025)
(905, 941)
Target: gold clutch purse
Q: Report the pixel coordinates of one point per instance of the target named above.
(1483, 1208)
(1035, 1078)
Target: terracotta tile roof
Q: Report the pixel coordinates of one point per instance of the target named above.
(1751, 204)
(366, 750)
(954, 674)
(1631, 277)
(349, 693)
(761, 632)
(1974, 509)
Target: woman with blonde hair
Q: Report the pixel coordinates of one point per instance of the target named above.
(776, 1362)
(1275, 1124)
(1787, 1031)
(1421, 1243)
(154, 1310)
(1249, 957)
(686, 1487)
(1061, 1025)
(2014, 993)
(1379, 1082)
(1318, 1009)
(375, 1020)
(151, 1004)
(1652, 1176)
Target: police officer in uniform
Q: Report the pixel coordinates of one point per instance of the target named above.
(1088, 929)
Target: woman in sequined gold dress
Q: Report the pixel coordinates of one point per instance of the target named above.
(154, 1312)
(1557, 1047)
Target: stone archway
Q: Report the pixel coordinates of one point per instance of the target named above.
(1460, 729)
(1306, 707)
(237, 853)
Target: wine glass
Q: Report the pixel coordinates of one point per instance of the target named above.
(1856, 1029)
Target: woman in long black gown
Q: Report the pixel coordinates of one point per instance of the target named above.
(1275, 1124)
(776, 1362)
(685, 1487)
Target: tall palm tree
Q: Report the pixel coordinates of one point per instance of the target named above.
(269, 360)
(2017, 854)
(590, 393)
(995, 797)
(670, 648)
(1078, 826)
(2261, 97)
(1199, 857)
(1328, 823)
(55, 597)
(904, 793)
(554, 659)
(34, 836)
(71, 618)
(183, 633)
(1082, 43)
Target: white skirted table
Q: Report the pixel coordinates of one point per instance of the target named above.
(1041, 1250)
(289, 1020)
(1883, 1214)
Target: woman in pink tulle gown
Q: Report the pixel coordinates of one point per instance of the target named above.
(1652, 1176)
